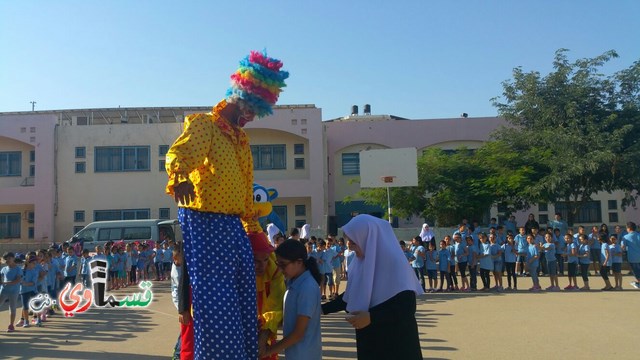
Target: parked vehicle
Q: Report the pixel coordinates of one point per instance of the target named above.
(102, 232)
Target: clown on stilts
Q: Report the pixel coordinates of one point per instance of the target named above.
(210, 172)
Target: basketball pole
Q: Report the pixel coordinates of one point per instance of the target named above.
(389, 205)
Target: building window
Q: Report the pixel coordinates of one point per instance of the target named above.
(128, 214)
(613, 217)
(164, 213)
(32, 156)
(82, 120)
(31, 216)
(350, 164)
(542, 207)
(161, 165)
(81, 167)
(269, 157)
(281, 211)
(9, 226)
(300, 223)
(298, 149)
(81, 152)
(121, 158)
(32, 129)
(31, 232)
(543, 218)
(301, 210)
(590, 212)
(10, 163)
(78, 216)
(163, 149)
(23, 130)
(32, 170)
(298, 163)
(303, 121)
(613, 205)
(294, 121)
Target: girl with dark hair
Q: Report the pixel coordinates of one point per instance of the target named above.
(301, 322)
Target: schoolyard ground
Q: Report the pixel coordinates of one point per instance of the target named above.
(507, 325)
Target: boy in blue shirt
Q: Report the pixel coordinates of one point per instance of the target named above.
(444, 261)
(418, 263)
(521, 250)
(533, 262)
(616, 261)
(11, 276)
(431, 261)
(631, 243)
(552, 262)
(70, 266)
(28, 289)
(407, 253)
(84, 266)
(167, 259)
(571, 254)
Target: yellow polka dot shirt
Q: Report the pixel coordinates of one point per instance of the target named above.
(216, 158)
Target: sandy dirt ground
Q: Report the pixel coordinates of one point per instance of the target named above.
(515, 325)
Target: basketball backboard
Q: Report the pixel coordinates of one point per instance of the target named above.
(382, 168)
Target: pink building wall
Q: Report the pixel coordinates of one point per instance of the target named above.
(393, 133)
(38, 131)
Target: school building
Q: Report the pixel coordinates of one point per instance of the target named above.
(62, 169)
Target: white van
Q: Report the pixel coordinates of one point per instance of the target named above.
(101, 232)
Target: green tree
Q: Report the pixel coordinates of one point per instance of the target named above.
(450, 187)
(571, 133)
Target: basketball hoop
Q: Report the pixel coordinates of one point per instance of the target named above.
(387, 179)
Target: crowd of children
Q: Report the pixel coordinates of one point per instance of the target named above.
(530, 252)
(46, 271)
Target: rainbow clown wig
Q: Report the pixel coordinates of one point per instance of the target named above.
(257, 83)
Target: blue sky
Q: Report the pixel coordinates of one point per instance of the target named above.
(415, 59)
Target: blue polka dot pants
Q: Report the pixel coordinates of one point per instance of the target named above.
(223, 283)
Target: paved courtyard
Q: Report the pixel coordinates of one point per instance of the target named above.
(520, 325)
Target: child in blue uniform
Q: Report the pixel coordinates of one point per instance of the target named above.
(70, 267)
(444, 261)
(419, 255)
(549, 248)
(431, 260)
(461, 256)
(486, 262)
(571, 254)
(301, 323)
(605, 261)
(533, 261)
(452, 265)
(28, 287)
(584, 258)
(510, 257)
(472, 263)
(616, 261)
(11, 276)
(84, 268)
(496, 256)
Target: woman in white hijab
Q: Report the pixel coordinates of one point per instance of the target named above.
(272, 231)
(304, 231)
(381, 293)
(426, 234)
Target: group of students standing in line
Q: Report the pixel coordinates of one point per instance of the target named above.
(46, 271)
(533, 251)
